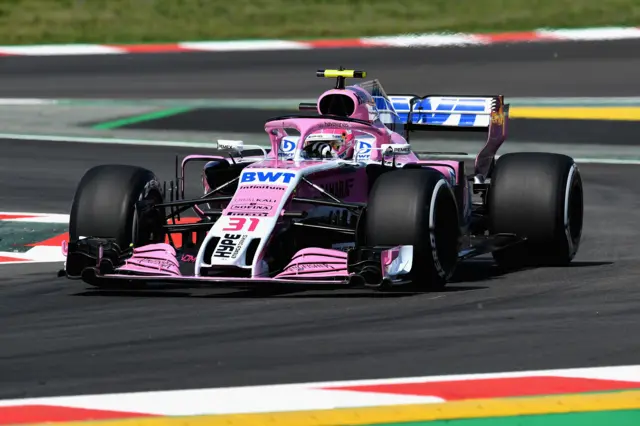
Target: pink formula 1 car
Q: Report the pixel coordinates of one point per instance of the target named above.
(338, 200)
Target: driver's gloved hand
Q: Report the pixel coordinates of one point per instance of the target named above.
(322, 149)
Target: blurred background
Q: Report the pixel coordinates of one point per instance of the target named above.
(134, 21)
(88, 82)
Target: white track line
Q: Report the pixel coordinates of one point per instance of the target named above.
(298, 396)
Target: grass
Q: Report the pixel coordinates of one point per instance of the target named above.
(129, 21)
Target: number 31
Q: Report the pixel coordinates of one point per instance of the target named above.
(237, 224)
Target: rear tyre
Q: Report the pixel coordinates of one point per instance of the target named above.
(416, 207)
(114, 202)
(538, 196)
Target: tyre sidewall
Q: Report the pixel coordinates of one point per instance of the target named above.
(104, 205)
(530, 196)
(403, 210)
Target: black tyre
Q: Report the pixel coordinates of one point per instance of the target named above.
(538, 196)
(113, 201)
(416, 207)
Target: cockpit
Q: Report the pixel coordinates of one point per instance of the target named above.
(364, 102)
(329, 144)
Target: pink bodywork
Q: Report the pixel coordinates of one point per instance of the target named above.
(316, 264)
(262, 201)
(309, 263)
(152, 259)
(312, 263)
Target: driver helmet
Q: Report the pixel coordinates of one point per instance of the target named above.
(330, 144)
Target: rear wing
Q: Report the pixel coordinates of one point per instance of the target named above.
(485, 114)
(445, 112)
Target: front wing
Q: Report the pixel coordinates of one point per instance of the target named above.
(103, 264)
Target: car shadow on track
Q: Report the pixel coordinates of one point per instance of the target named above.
(485, 269)
(264, 293)
(477, 270)
(467, 272)
(585, 264)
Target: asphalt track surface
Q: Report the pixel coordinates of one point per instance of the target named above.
(57, 338)
(554, 69)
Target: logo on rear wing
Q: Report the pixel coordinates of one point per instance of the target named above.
(448, 111)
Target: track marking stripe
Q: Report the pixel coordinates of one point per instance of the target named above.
(479, 408)
(117, 141)
(314, 396)
(155, 115)
(26, 414)
(577, 113)
(600, 418)
(9, 216)
(452, 390)
(10, 259)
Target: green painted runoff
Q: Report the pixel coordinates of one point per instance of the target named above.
(594, 418)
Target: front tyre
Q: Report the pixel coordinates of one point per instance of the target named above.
(116, 202)
(537, 196)
(416, 207)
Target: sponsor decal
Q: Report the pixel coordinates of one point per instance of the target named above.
(255, 200)
(325, 137)
(273, 177)
(260, 214)
(321, 136)
(262, 187)
(340, 189)
(188, 258)
(229, 144)
(335, 124)
(155, 263)
(396, 149)
(286, 148)
(251, 206)
(363, 152)
(229, 246)
(240, 224)
(298, 267)
(432, 236)
(287, 145)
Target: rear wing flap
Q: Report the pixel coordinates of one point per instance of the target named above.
(447, 112)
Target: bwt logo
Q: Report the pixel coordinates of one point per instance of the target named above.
(267, 177)
(287, 145)
(364, 151)
(364, 148)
